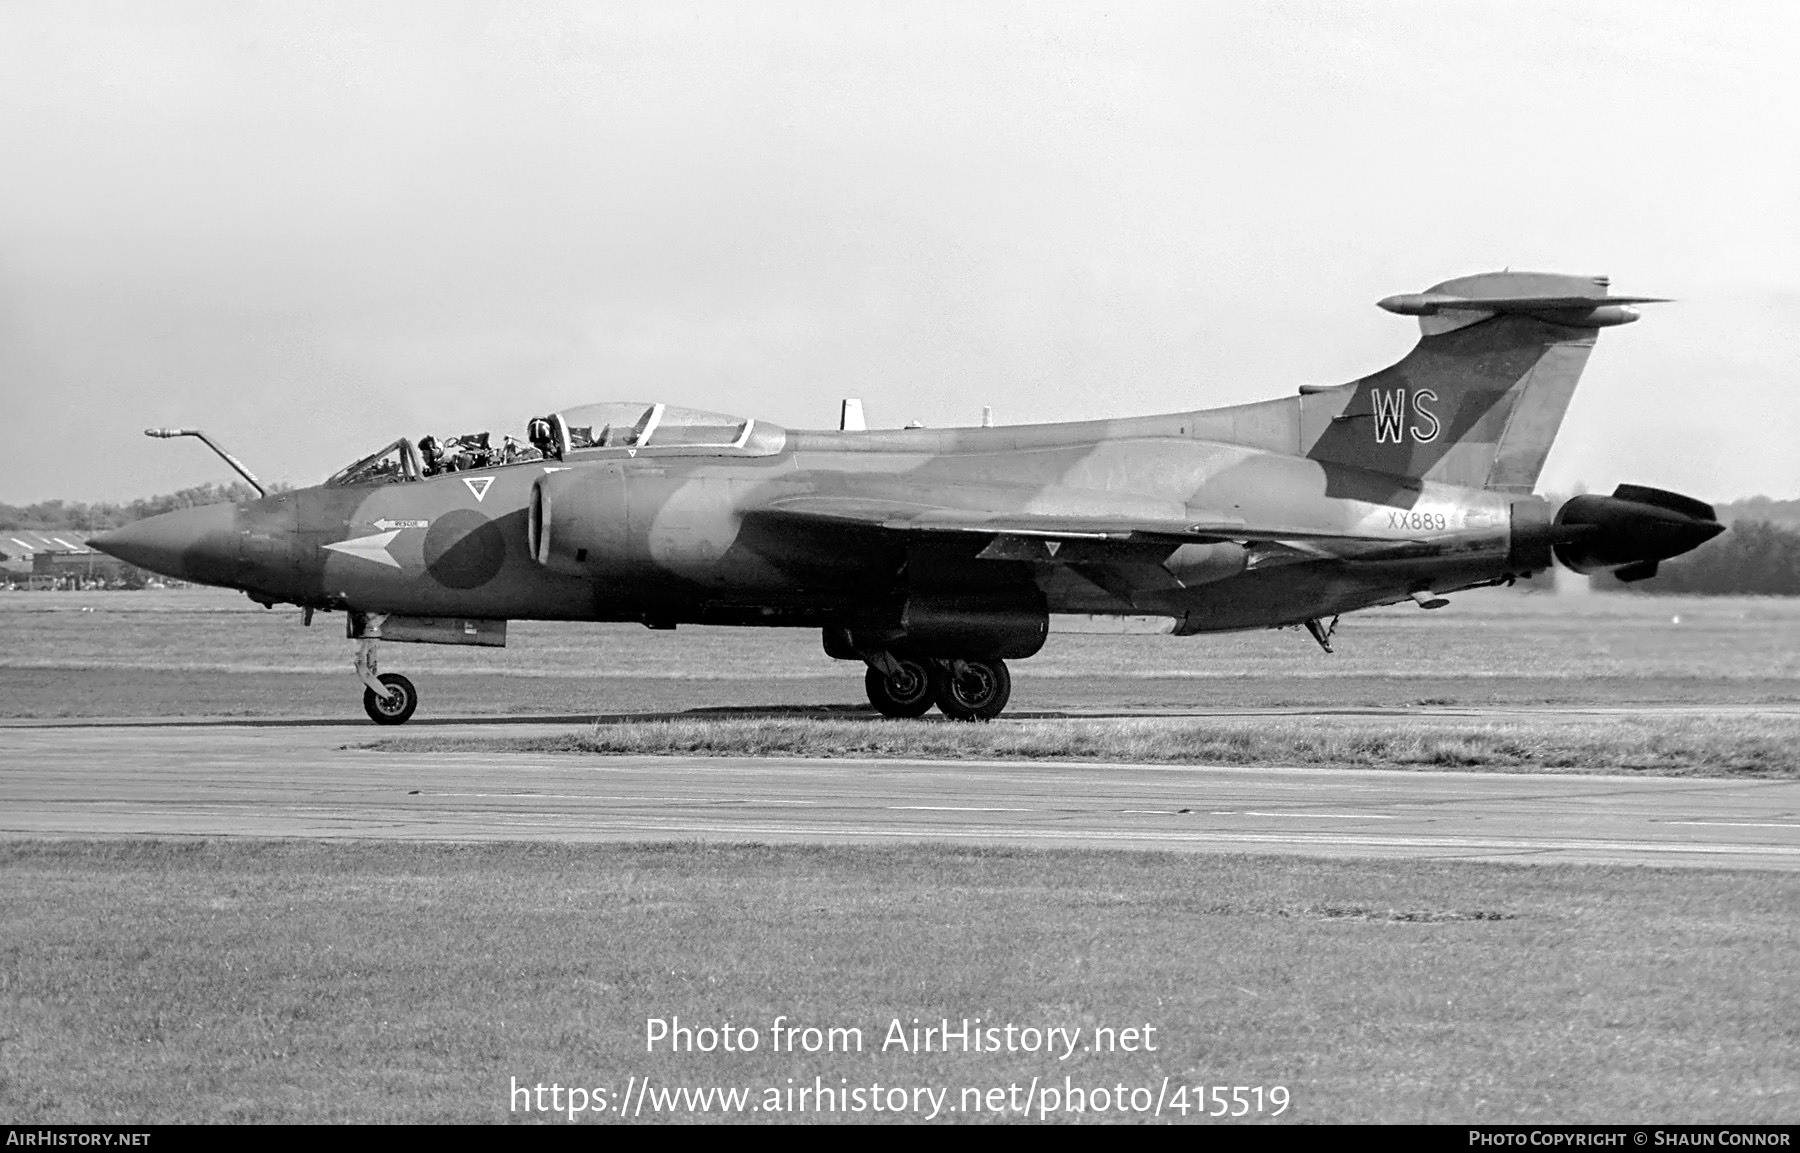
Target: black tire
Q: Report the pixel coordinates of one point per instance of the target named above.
(978, 692)
(393, 710)
(907, 694)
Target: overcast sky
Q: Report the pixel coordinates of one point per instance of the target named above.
(310, 228)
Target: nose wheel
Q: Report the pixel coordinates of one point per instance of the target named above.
(397, 706)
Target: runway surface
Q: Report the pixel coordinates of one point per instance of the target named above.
(284, 780)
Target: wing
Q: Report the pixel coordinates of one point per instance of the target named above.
(1136, 550)
(1127, 546)
(1089, 516)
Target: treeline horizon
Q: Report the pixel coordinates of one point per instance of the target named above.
(82, 516)
(1758, 556)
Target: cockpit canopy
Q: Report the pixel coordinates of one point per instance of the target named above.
(615, 428)
(631, 424)
(632, 427)
(399, 461)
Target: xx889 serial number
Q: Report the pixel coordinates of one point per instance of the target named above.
(1430, 521)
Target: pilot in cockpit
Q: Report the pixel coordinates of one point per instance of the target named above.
(431, 453)
(543, 438)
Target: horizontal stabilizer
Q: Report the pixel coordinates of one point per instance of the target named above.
(1580, 302)
(1431, 303)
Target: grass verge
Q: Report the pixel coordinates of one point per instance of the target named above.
(1766, 746)
(295, 981)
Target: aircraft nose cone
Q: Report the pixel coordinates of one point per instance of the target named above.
(197, 544)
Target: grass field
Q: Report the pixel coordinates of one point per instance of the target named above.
(313, 982)
(1754, 747)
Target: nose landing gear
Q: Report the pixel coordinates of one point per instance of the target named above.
(388, 698)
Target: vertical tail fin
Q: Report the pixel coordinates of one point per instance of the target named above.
(1479, 399)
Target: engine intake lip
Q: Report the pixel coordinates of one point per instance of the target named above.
(537, 523)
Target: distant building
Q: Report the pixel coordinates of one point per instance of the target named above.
(57, 558)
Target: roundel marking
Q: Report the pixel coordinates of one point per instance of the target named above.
(463, 549)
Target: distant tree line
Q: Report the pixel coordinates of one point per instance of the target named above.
(1753, 558)
(1781, 512)
(78, 516)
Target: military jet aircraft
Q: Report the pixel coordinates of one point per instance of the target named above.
(934, 556)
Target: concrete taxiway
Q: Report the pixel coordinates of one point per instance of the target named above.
(317, 781)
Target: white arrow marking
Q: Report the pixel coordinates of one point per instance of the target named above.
(369, 548)
(557, 468)
(384, 523)
(478, 485)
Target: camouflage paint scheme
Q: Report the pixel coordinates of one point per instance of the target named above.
(951, 545)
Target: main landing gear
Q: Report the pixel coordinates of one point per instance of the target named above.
(902, 690)
(962, 690)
